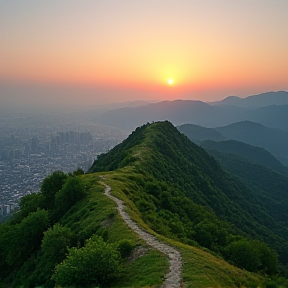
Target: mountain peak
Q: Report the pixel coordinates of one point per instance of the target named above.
(159, 152)
(257, 101)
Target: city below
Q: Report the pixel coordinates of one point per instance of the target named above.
(29, 153)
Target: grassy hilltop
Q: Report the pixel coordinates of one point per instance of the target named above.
(174, 190)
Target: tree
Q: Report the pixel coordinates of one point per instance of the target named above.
(253, 255)
(25, 237)
(206, 233)
(268, 258)
(50, 186)
(244, 254)
(78, 172)
(55, 243)
(28, 204)
(95, 263)
(72, 191)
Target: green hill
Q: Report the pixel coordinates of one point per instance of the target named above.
(198, 133)
(253, 154)
(160, 152)
(273, 140)
(271, 186)
(171, 188)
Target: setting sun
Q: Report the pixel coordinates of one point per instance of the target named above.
(170, 81)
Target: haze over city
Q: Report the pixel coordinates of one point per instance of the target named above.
(88, 53)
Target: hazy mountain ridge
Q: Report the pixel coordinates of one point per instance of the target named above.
(273, 140)
(197, 112)
(176, 111)
(256, 101)
(198, 133)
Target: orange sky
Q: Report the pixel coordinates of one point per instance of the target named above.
(127, 49)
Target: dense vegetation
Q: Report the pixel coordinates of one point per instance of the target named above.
(61, 227)
(71, 235)
(271, 187)
(253, 154)
(186, 194)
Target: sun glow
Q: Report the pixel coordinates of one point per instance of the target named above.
(170, 81)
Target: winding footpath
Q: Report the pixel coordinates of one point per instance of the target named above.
(173, 277)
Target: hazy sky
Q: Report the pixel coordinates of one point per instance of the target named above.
(86, 53)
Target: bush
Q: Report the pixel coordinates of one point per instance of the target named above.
(95, 263)
(124, 247)
(253, 256)
(24, 238)
(55, 243)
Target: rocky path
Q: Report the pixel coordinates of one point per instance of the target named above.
(173, 277)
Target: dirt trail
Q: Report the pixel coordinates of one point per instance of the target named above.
(173, 277)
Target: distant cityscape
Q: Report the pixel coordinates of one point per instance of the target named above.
(28, 155)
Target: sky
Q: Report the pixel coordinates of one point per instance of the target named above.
(92, 52)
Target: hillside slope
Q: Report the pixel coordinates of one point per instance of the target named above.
(96, 217)
(160, 152)
(271, 186)
(251, 153)
(273, 140)
(168, 186)
(198, 133)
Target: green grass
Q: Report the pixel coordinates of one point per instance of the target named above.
(200, 268)
(96, 214)
(145, 271)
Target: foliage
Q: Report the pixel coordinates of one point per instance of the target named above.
(24, 238)
(78, 172)
(185, 194)
(28, 204)
(125, 248)
(262, 179)
(252, 256)
(72, 191)
(50, 186)
(95, 263)
(176, 189)
(56, 242)
(245, 151)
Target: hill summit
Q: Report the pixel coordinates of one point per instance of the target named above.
(174, 171)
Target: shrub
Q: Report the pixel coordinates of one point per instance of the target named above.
(95, 263)
(124, 247)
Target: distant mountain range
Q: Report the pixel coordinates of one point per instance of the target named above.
(273, 140)
(256, 101)
(198, 133)
(269, 109)
(247, 152)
